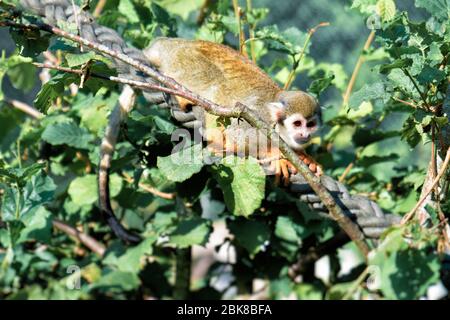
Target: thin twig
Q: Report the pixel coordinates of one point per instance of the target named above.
(405, 102)
(152, 190)
(346, 171)
(251, 33)
(238, 13)
(183, 262)
(84, 238)
(311, 32)
(237, 111)
(357, 68)
(29, 110)
(422, 95)
(133, 83)
(99, 8)
(203, 10)
(356, 284)
(410, 214)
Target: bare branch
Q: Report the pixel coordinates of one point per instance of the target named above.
(84, 238)
(149, 189)
(29, 110)
(410, 214)
(358, 65)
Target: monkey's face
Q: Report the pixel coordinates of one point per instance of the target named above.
(297, 131)
(296, 116)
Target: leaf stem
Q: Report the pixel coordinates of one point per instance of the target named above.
(410, 214)
(296, 63)
(251, 33)
(238, 13)
(422, 95)
(357, 68)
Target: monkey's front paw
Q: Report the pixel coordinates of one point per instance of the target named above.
(312, 164)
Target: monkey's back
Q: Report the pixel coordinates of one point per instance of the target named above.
(215, 71)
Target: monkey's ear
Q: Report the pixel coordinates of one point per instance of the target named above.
(277, 111)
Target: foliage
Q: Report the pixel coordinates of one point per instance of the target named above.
(48, 167)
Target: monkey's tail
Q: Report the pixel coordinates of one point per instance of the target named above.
(126, 102)
(118, 115)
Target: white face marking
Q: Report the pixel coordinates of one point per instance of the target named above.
(297, 131)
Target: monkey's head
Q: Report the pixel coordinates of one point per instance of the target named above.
(297, 117)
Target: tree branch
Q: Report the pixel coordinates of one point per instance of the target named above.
(85, 239)
(407, 217)
(358, 65)
(29, 110)
(238, 111)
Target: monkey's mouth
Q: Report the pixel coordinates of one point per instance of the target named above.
(299, 143)
(301, 140)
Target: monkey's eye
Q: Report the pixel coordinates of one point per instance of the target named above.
(311, 123)
(297, 123)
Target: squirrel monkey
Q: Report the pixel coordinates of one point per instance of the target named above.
(224, 76)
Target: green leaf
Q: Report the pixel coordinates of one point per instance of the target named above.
(133, 259)
(290, 233)
(435, 54)
(24, 202)
(67, 133)
(30, 42)
(367, 93)
(127, 8)
(338, 291)
(74, 60)
(290, 41)
(254, 236)
(84, 190)
(117, 281)
(189, 232)
(365, 6)
(431, 75)
(371, 160)
(15, 229)
(364, 137)
(181, 8)
(319, 85)
(306, 291)
(22, 76)
(438, 8)
(21, 176)
(281, 288)
(398, 64)
(183, 164)
(288, 230)
(38, 226)
(415, 178)
(8, 66)
(53, 89)
(242, 182)
(163, 20)
(407, 274)
(164, 222)
(386, 9)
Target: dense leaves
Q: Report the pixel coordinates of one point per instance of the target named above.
(178, 196)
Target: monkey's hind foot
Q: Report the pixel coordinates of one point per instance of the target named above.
(283, 170)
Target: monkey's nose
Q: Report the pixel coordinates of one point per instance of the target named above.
(300, 138)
